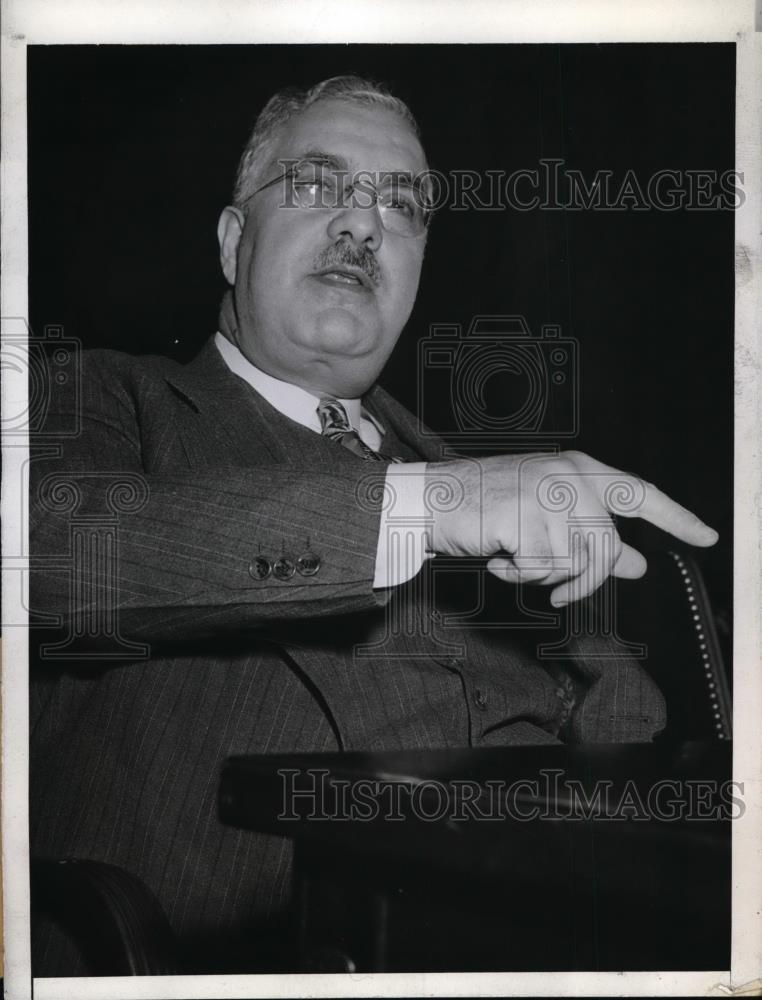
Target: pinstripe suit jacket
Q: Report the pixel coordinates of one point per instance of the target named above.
(126, 755)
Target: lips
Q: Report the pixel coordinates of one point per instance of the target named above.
(342, 276)
(346, 277)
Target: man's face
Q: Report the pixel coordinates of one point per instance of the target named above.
(299, 320)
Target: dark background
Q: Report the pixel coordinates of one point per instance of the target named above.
(132, 151)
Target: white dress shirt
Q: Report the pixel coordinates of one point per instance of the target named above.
(402, 535)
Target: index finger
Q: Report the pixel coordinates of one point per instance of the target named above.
(665, 513)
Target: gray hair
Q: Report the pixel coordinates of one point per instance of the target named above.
(286, 103)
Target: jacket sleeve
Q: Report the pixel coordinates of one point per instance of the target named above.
(173, 554)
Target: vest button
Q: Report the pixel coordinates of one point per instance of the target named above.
(480, 699)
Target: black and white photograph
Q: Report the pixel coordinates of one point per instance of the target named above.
(379, 473)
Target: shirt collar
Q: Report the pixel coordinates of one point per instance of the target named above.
(291, 400)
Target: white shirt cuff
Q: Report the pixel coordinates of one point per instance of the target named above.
(405, 523)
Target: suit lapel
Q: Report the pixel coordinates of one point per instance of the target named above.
(229, 420)
(401, 425)
(222, 419)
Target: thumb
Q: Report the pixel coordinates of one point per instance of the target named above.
(506, 570)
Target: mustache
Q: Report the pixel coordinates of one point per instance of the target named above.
(344, 253)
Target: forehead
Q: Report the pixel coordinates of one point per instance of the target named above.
(365, 137)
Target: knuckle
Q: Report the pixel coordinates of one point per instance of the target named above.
(579, 554)
(535, 548)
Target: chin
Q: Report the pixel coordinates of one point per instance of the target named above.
(350, 378)
(343, 331)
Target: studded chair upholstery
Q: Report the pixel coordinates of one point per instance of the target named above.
(669, 613)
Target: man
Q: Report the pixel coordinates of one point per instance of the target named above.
(277, 552)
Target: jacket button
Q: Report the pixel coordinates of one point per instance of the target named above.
(260, 568)
(308, 564)
(283, 568)
(480, 699)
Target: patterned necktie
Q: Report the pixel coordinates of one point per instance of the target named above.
(336, 426)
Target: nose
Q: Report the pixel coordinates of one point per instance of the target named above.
(359, 224)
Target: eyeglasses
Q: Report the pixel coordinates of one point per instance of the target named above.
(316, 184)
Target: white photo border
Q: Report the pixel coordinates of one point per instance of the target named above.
(67, 22)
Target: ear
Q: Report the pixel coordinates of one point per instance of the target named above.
(229, 230)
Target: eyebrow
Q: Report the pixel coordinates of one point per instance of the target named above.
(335, 162)
(319, 156)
